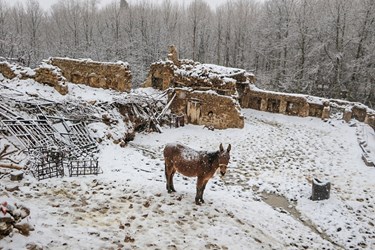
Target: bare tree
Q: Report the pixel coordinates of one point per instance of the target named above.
(198, 11)
(321, 47)
(33, 16)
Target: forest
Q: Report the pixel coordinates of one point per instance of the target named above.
(316, 47)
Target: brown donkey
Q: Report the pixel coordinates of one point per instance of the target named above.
(191, 163)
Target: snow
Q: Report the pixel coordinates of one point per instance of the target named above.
(89, 60)
(20, 70)
(209, 70)
(189, 153)
(128, 206)
(313, 99)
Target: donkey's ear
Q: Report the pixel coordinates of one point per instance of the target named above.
(229, 148)
(221, 147)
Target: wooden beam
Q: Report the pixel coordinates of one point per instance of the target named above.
(11, 166)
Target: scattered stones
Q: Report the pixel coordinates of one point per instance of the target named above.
(146, 204)
(24, 228)
(129, 239)
(11, 216)
(12, 188)
(33, 246)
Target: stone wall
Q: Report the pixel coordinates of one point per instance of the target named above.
(57, 71)
(207, 108)
(370, 120)
(5, 69)
(204, 81)
(11, 70)
(223, 80)
(105, 75)
(51, 76)
(174, 72)
(275, 102)
(303, 105)
(161, 76)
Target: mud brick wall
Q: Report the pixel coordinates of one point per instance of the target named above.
(370, 120)
(207, 108)
(105, 75)
(300, 105)
(199, 83)
(359, 113)
(51, 76)
(165, 74)
(354, 110)
(11, 70)
(161, 76)
(275, 102)
(316, 110)
(5, 69)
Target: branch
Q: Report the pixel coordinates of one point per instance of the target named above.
(11, 166)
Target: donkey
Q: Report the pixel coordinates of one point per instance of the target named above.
(192, 163)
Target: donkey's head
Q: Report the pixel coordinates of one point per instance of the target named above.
(224, 159)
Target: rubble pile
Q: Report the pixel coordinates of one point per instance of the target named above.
(205, 94)
(145, 113)
(12, 70)
(61, 138)
(14, 218)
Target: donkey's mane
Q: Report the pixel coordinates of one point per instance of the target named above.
(212, 156)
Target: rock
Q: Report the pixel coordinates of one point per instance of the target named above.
(6, 207)
(6, 218)
(12, 188)
(10, 216)
(16, 175)
(33, 246)
(123, 144)
(21, 213)
(5, 228)
(24, 228)
(129, 239)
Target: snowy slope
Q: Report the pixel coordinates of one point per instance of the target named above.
(128, 206)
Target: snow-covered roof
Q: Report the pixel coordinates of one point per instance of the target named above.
(210, 71)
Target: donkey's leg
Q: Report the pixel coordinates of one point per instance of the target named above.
(171, 185)
(198, 196)
(167, 177)
(202, 190)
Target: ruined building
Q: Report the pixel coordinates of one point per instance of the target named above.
(106, 75)
(202, 93)
(304, 105)
(205, 93)
(57, 71)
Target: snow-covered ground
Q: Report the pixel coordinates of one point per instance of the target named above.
(128, 207)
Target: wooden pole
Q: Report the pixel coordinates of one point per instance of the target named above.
(11, 166)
